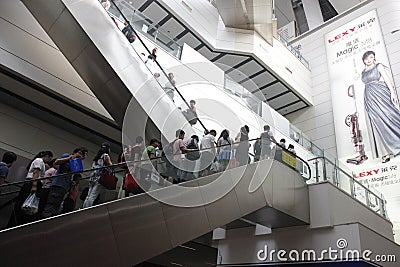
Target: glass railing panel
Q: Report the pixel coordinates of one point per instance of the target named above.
(295, 50)
(343, 180)
(346, 183)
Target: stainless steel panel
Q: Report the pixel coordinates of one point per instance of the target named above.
(102, 33)
(68, 35)
(283, 187)
(301, 200)
(179, 195)
(185, 224)
(223, 208)
(48, 10)
(139, 228)
(247, 198)
(70, 240)
(92, 67)
(267, 185)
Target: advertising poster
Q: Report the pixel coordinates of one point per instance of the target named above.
(365, 107)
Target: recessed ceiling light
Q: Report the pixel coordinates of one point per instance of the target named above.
(130, 2)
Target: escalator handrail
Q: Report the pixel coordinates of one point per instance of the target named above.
(114, 167)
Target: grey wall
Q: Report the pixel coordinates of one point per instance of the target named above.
(284, 12)
(27, 135)
(330, 206)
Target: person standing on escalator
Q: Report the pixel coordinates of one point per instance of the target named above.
(101, 159)
(36, 169)
(8, 159)
(106, 4)
(242, 151)
(169, 87)
(62, 183)
(152, 56)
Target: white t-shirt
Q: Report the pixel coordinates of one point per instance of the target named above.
(208, 141)
(177, 149)
(266, 138)
(36, 164)
(106, 5)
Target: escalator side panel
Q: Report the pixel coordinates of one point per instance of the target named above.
(96, 60)
(140, 227)
(77, 239)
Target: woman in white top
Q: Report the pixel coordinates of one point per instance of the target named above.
(102, 159)
(106, 4)
(36, 169)
(170, 86)
(224, 145)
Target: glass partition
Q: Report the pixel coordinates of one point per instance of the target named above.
(326, 170)
(295, 50)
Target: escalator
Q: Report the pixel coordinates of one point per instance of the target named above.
(128, 231)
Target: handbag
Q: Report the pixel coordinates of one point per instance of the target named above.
(108, 180)
(130, 184)
(193, 155)
(76, 165)
(31, 204)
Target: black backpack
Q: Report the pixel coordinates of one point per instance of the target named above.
(193, 155)
(127, 31)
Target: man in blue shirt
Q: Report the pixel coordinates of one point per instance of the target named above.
(62, 183)
(8, 159)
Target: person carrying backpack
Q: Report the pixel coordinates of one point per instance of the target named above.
(101, 159)
(128, 32)
(191, 156)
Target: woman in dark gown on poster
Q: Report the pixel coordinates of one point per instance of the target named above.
(381, 104)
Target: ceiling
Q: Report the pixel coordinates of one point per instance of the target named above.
(250, 14)
(244, 69)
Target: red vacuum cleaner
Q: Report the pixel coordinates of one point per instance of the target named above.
(356, 137)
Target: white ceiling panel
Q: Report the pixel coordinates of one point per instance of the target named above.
(231, 60)
(236, 75)
(207, 53)
(274, 90)
(172, 27)
(282, 100)
(292, 108)
(223, 67)
(250, 68)
(250, 85)
(137, 3)
(263, 79)
(154, 12)
(191, 40)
